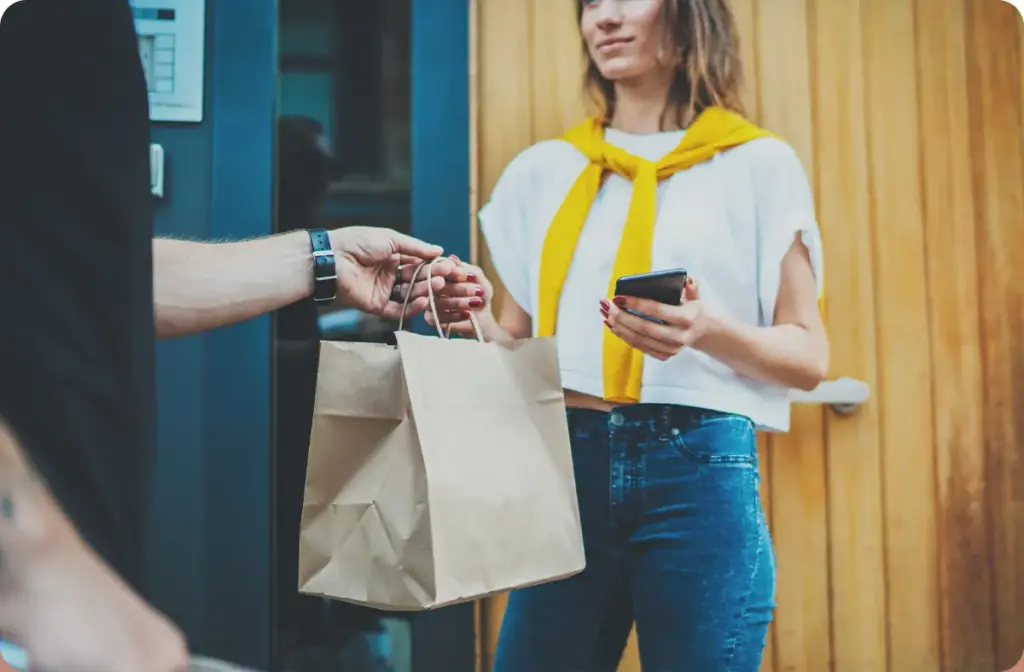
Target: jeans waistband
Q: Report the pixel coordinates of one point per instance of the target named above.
(653, 418)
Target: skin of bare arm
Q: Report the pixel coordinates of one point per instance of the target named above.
(51, 582)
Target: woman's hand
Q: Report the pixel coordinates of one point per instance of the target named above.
(684, 325)
(455, 301)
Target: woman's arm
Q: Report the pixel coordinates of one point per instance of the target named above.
(511, 323)
(794, 351)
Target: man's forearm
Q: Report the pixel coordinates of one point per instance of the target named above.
(202, 286)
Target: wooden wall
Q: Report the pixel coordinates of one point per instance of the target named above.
(900, 530)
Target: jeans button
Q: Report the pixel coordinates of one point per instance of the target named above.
(616, 419)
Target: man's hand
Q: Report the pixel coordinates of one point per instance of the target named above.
(371, 261)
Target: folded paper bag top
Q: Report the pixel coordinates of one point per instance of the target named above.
(439, 472)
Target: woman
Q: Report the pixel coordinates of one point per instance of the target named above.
(662, 416)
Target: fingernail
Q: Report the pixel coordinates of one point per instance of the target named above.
(608, 324)
(604, 311)
(465, 314)
(619, 301)
(471, 277)
(476, 303)
(480, 291)
(605, 306)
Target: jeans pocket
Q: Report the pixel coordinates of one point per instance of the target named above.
(727, 440)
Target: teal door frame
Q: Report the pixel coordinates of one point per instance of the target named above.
(443, 639)
(211, 534)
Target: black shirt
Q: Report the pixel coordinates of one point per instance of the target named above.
(76, 296)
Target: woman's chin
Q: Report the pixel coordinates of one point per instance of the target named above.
(619, 69)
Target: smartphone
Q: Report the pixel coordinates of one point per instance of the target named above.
(661, 286)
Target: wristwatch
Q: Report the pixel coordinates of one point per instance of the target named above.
(325, 273)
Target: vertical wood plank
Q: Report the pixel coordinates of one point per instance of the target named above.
(853, 444)
(798, 497)
(965, 581)
(558, 60)
(902, 320)
(745, 14)
(631, 656)
(504, 47)
(994, 92)
(504, 128)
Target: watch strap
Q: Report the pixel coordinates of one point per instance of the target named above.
(325, 272)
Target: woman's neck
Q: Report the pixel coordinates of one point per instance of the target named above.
(640, 105)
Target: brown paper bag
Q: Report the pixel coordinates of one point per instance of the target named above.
(439, 472)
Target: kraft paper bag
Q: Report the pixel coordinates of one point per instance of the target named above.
(439, 472)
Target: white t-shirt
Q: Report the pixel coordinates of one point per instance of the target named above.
(729, 222)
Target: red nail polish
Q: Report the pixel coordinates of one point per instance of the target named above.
(471, 277)
(465, 314)
(480, 291)
(605, 305)
(608, 324)
(619, 301)
(604, 311)
(476, 303)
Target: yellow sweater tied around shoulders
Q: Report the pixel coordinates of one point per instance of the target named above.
(714, 130)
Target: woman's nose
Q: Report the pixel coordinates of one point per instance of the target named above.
(609, 13)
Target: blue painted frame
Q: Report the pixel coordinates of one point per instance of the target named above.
(443, 639)
(237, 437)
(440, 123)
(440, 126)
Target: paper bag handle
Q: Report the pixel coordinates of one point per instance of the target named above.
(433, 306)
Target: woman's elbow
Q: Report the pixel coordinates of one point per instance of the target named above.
(809, 379)
(813, 372)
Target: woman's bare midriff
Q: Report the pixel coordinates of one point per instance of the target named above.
(574, 399)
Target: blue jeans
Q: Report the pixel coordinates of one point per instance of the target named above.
(676, 542)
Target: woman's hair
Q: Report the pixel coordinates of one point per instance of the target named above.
(708, 67)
